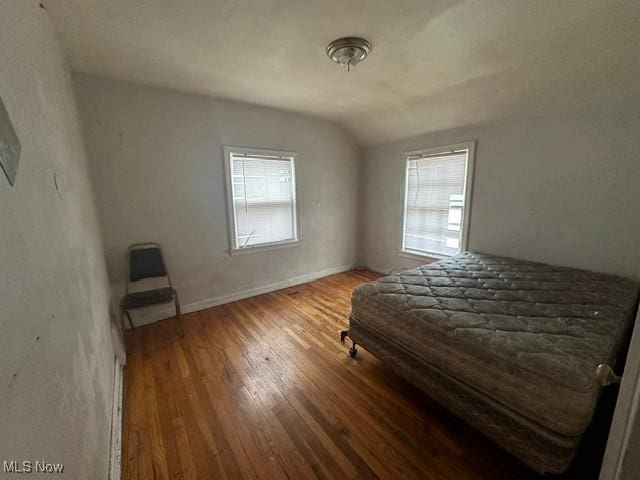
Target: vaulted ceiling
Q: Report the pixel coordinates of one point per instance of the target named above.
(435, 64)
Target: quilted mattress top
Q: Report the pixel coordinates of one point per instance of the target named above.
(527, 334)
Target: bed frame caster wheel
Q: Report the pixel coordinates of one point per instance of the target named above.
(353, 351)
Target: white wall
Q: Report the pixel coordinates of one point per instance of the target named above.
(56, 354)
(563, 190)
(156, 160)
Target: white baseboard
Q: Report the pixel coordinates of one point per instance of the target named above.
(382, 270)
(154, 314)
(115, 455)
(272, 287)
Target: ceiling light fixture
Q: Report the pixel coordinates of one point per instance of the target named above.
(348, 51)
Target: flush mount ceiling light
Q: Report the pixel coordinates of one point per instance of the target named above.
(348, 51)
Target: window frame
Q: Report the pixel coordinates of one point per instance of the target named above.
(231, 217)
(470, 146)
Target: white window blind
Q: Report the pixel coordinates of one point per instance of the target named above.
(263, 198)
(435, 202)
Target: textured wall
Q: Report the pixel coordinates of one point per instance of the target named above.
(560, 189)
(156, 160)
(56, 355)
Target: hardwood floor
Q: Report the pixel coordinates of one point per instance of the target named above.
(262, 388)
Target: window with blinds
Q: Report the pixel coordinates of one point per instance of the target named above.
(262, 197)
(435, 208)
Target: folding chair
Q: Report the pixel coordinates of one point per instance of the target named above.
(146, 261)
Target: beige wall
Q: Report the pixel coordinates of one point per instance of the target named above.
(156, 160)
(56, 368)
(562, 189)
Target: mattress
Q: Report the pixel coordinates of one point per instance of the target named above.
(526, 335)
(544, 451)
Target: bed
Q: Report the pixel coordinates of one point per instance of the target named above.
(509, 346)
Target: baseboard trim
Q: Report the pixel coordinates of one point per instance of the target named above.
(115, 454)
(252, 292)
(145, 316)
(382, 270)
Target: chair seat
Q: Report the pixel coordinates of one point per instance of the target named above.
(148, 297)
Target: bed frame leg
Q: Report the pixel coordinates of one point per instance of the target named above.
(353, 351)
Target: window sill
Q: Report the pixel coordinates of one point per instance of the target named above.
(264, 248)
(421, 256)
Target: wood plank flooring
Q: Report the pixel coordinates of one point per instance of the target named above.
(262, 389)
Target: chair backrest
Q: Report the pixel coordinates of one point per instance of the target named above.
(146, 261)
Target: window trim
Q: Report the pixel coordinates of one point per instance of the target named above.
(470, 146)
(231, 221)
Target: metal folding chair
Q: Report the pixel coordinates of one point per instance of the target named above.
(146, 261)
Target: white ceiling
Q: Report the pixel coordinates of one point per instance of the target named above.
(435, 64)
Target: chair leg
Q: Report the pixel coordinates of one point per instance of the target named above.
(179, 316)
(126, 312)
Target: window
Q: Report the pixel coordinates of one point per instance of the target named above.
(261, 197)
(436, 200)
